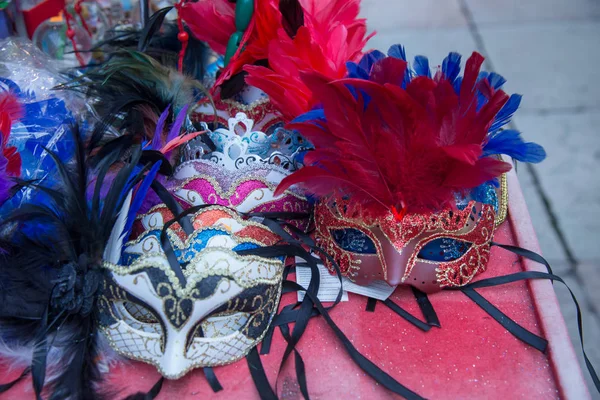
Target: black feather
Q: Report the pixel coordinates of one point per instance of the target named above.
(233, 85)
(236, 83)
(51, 268)
(152, 27)
(130, 91)
(292, 16)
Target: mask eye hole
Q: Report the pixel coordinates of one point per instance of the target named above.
(218, 325)
(143, 318)
(140, 313)
(354, 241)
(444, 250)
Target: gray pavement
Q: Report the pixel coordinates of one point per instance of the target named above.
(549, 51)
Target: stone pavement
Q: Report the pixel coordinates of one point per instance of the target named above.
(549, 51)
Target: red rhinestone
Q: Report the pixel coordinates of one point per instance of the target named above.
(70, 33)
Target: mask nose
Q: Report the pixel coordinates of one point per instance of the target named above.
(389, 264)
(422, 276)
(174, 361)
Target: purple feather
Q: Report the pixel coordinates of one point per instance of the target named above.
(160, 125)
(5, 181)
(509, 142)
(176, 127)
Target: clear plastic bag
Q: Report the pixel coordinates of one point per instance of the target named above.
(48, 117)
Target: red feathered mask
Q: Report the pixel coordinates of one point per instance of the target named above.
(390, 148)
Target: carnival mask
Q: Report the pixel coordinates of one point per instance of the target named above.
(405, 164)
(250, 101)
(192, 302)
(427, 250)
(241, 172)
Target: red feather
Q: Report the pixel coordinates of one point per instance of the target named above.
(332, 35)
(410, 149)
(212, 21)
(264, 27)
(10, 110)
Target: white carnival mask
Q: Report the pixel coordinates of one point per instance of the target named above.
(199, 305)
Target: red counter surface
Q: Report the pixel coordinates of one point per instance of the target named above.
(470, 357)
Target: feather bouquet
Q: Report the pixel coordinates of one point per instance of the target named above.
(392, 138)
(50, 270)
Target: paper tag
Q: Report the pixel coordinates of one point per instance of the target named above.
(379, 290)
(329, 285)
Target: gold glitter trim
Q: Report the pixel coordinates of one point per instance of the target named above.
(159, 261)
(502, 201)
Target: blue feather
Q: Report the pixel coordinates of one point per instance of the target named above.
(481, 99)
(496, 80)
(509, 142)
(421, 66)
(451, 66)
(505, 114)
(140, 196)
(457, 83)
(367, 61)
(397, 51)
(312, 115)
(354, 71)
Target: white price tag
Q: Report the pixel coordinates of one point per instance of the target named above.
(329, 285)
(379, 290)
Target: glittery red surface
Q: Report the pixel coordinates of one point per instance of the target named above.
(470, 357)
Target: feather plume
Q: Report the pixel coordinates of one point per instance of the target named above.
(392, 142)
(159, 41)
(331, 36)
(176, 128)
(132, 211)
(511, 143)
(157, 140)
(421, 66)
(212, 21)
(506, 113)
(50, 271)
(130, 92)
(112, 252)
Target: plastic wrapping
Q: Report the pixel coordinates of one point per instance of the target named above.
(48, 117)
